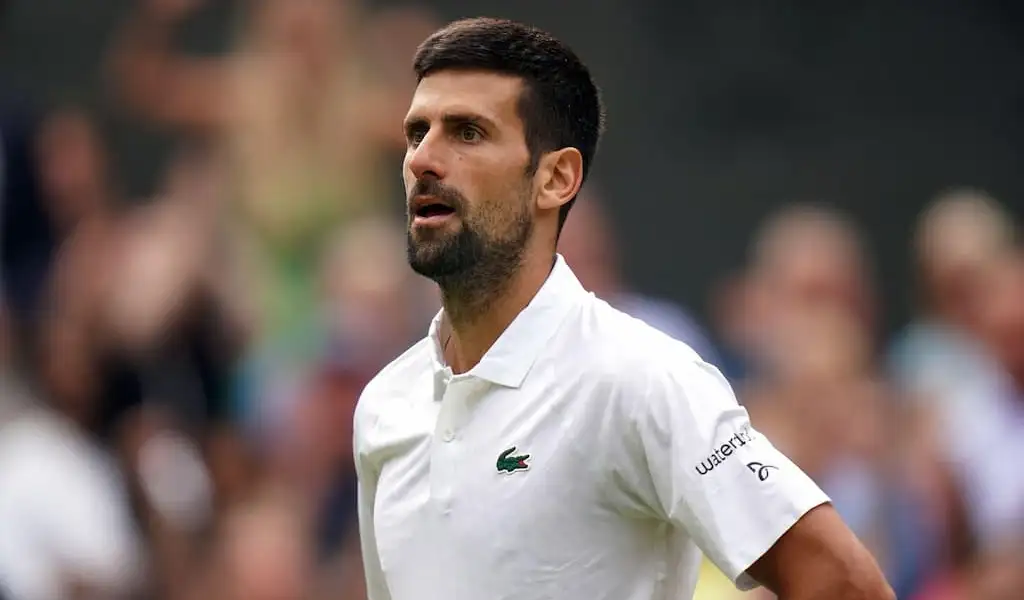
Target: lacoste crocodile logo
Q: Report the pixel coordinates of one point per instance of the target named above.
(510, 464)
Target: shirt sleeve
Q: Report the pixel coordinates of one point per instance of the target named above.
(376, 586)
(691, 457)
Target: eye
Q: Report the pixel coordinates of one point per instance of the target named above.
(469, 134)
(415, 134)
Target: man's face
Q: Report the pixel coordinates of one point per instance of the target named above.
(466, 176)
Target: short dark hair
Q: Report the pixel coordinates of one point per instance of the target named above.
(560, 105)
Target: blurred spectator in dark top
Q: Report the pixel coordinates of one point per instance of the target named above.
(79, 201)
(167, 315)
(589, 246)
(166, 309)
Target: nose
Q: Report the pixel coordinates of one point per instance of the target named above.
(427, 157)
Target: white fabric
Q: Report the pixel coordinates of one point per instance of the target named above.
(639, 459)
(63, 516)
(984, 440)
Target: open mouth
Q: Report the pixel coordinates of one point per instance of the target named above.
(434, 210)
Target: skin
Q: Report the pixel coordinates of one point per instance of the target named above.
(466, 146)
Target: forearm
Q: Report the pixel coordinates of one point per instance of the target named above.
(844, 593)
(819, 558)
(863, 583)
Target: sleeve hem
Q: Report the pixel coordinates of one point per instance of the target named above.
(743, 581)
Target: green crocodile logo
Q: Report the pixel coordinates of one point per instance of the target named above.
(509, 464)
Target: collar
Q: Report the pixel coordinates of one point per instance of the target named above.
(512, 355)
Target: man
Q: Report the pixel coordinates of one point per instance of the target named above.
(538, 443)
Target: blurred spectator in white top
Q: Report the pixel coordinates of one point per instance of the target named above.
(68, 529)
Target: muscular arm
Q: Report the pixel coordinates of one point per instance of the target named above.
(819, 558)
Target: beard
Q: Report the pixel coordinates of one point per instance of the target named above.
(471, 258)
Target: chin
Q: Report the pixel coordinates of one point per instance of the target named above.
(432, 259)
(435, 270)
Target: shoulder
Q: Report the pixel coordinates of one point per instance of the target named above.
(663, 315)
(392, 383)
(635, 359)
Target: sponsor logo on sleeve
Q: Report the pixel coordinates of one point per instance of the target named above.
(726, 449)
(761, 470)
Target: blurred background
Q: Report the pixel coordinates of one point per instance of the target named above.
(202, 263)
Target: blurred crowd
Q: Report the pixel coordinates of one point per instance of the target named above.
(178, 372)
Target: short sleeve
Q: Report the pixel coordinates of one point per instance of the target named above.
(690, 456)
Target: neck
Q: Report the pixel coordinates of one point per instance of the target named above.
(480, 306)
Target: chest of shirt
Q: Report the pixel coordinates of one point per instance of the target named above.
(508, 482)
(478, 446)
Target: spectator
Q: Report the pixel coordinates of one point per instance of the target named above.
(307, 125)
(958, 236)
(64, 507)
(804, 257)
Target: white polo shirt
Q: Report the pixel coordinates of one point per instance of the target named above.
(587, 456)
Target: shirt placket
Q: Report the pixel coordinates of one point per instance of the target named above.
(447, 446)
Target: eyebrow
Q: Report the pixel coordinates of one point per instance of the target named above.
(451, 119)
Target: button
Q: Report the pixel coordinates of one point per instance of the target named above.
(449, 435)
(444, 502)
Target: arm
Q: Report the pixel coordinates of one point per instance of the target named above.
(376, 586)
(693, 460)
(819, 558)
(159, 85)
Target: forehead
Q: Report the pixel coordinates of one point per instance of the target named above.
(493, 96)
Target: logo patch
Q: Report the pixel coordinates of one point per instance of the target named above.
(761, 469)
(507, 463)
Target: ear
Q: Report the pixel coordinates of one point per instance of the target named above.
(559, 177)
